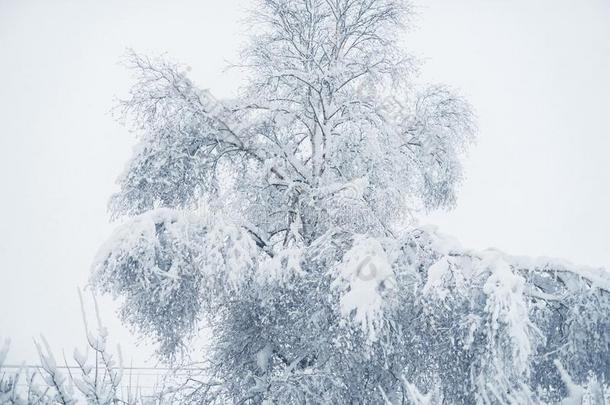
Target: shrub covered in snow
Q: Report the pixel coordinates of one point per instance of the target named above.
(96, 376)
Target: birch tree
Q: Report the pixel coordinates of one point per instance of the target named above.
(283, 222)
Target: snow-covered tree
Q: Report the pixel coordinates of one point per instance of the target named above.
(282, 221)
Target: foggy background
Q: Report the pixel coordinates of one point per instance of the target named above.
(537, 73)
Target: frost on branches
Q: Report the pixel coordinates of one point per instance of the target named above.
(283, 222)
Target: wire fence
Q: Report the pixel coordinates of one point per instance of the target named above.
(140, 380)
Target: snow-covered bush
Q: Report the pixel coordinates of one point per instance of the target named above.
(282, 222)
(95, 379)
(12, 380)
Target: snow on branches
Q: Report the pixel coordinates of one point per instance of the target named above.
(364, 279)
(165, 262)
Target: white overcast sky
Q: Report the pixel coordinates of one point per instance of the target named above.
(536, 71)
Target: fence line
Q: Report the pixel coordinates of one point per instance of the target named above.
(16, 366)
